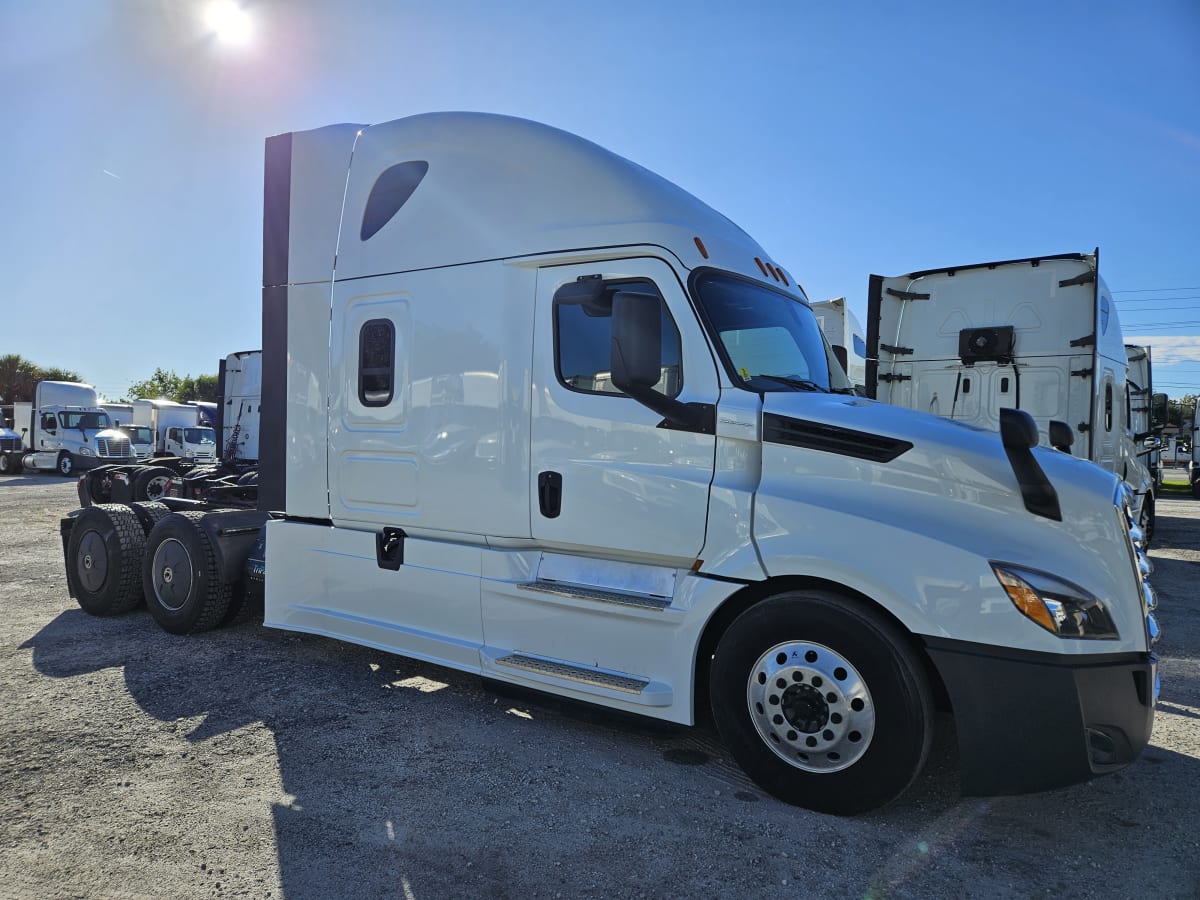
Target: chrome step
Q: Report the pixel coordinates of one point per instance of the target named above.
(581, 674)
(640, 601)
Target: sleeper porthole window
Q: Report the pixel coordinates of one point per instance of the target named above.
(376, 362)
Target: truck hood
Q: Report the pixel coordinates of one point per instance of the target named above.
(926, 453)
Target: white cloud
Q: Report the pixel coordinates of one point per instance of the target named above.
(1165, 351)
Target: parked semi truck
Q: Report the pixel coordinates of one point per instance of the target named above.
(141, 437)
(69, 431)
(12, 442)
(845, 334)
(1146, 410)
(176, 429)
(1040, 334)
(239, 382)
(660, 504)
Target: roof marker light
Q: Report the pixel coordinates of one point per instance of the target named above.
(761, 267)
(700, 246)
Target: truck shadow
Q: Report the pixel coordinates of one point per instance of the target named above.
(403, 778)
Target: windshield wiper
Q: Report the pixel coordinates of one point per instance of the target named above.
(803, 384)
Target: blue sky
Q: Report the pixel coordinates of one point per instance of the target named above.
(846, 138)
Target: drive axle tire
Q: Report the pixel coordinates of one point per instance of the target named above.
(180, 576)
(148, 514)
(822, 702)
(104, 560)
(150, 483)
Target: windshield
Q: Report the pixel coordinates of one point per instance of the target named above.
(96, 420)
(770, 341)
(138, 434)
(199, 436)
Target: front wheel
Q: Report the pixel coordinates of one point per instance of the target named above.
(66, 464)
(1146, 519)
(822, 702)
(6, 464)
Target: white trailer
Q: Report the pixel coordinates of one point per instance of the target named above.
(70, 432)
(652, 492)
(845, 334)
(239, 383)
(1040, 334)
(176, 429)
(1146, 410)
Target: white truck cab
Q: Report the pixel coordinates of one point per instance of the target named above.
(1040, 335)
(12, 443)
(70, 432)
(176, 429)
(532, 411)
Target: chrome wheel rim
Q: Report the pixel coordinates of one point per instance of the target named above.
(156, 487)
(810, 706)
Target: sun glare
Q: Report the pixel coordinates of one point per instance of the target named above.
(228, 21)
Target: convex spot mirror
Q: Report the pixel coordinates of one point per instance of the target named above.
(1061, 436)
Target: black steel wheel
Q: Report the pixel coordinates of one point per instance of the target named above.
(181, 577)
(104, 560)
(822, 702)
(150, 482)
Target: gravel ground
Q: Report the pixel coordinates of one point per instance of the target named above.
(253, 762)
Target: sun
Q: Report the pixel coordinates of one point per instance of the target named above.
(228, 21)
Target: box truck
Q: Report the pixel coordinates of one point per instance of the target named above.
(533, 412)
(69, 431)
(1041, 335)
(845, 334)
(140, 436)
(176, 429)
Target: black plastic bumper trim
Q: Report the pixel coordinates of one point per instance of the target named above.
(1029, 721)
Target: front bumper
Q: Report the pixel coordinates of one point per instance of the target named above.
(1034, 721)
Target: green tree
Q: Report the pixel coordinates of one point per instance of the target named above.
(19, 376)
(167, 385)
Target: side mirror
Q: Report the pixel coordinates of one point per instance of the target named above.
(1061, 436)
(636, 362)
(840, 352)
(636, 342)
(1153, 443)
(1158, 410)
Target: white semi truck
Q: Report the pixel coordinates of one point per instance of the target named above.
(176, 429)
(69, 431)
(239, 382)
(1041, 335)
(1146, 410)
(845, 334)
(660, 502)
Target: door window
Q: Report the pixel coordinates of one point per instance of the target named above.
(583, 343)
(48, 423)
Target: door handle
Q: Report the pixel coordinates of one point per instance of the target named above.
(550, 494)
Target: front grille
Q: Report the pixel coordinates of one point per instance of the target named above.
(9, 445)
(110, 448)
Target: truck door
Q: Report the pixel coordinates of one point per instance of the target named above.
(48, 428)
(605, 476)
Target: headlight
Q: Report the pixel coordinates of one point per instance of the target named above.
(1062, 608)
(85, 451)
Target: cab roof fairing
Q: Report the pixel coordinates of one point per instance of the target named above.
(497, 187)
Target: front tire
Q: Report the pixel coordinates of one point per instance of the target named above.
(822, 702)
(180, 576)
(6, 464)
(1146, 519)
(66, 464)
